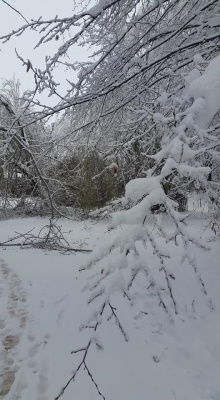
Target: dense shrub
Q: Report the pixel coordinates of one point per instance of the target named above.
(86, 180)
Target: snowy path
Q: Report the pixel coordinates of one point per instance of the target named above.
(18, 345)
(32, 333)
(42, 307)
(13, 320)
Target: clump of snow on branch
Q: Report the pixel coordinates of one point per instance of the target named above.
(207, 88)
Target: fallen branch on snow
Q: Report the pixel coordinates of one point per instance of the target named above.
(52, 239)
(39, 246)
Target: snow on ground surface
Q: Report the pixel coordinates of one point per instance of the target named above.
(42, 306)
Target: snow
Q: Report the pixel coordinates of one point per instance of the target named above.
(43, 305)
(194, 74)
(162, 99)
(215, 21)
(141, 194)
(158, 117)
(97, 9)
(198, 59)
(139, 187)
(207, 87)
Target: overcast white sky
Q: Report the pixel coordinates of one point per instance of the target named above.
(9, 20)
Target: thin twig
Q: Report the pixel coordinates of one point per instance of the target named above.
(14, 9)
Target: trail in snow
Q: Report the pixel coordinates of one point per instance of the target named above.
(13, 319)
(24, 357)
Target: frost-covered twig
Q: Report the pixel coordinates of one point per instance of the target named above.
(84, 352)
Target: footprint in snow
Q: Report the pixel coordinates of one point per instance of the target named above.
(34, 349)
(43, 384)
(14, 310)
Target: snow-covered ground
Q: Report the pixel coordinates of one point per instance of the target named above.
(42, 306)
